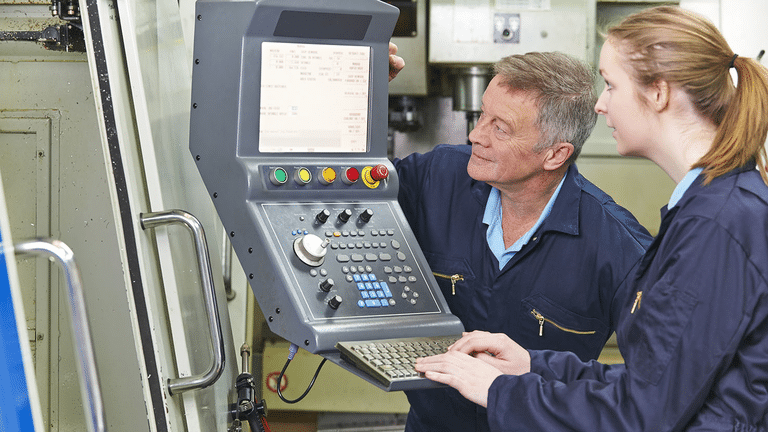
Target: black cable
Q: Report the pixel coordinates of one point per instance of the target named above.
(280, 379)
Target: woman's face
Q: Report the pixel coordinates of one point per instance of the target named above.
(620, 104)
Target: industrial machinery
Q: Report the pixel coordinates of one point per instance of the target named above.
(289, 132)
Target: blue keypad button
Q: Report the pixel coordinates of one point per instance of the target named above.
(376, 285)
(364, 294)
(361, 286)
(368, 285)
(384, 303)
(372, 303)
(380, 294)
(387, 292)
(360, 303)
(372, 277)
(372, 294)
(364, 277)
(357, 278)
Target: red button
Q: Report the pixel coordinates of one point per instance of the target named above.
(351, 175)
(379, 172)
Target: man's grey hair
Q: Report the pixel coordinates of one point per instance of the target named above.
(564, 90)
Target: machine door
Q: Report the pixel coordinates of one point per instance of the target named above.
(141, 77)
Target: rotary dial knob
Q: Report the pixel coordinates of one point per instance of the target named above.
(311, 249)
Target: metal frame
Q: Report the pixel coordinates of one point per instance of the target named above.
(60, 253)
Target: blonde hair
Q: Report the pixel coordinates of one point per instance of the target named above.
(677, 46)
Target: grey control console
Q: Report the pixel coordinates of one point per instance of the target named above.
(288, 129)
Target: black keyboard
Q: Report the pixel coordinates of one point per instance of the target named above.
(391, 361)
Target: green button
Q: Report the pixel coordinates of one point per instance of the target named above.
(278, 176)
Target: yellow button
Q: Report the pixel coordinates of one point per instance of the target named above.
(302, 176)
(328, 175)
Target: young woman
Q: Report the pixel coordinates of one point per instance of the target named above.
(694, 335)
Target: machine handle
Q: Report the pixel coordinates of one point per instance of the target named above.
(60, 253)
(226, 266)
(152, 220)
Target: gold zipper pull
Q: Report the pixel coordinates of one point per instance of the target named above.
(539, 317)
(454, 279)
(638, 299)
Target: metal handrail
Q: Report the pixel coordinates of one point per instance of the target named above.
(154, 219)
(89, 381)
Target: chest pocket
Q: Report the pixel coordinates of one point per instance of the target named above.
(453, 275)
(547, 325)
(656, 330)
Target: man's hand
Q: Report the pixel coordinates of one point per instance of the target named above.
(470, 376)
(396, 64)
(472, 364)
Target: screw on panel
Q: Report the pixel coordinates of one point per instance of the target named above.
(250, 276)
(250, 250)
(215, 194)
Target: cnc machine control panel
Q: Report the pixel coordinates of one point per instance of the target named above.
(288, 129)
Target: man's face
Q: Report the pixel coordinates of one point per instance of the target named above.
(503, 140)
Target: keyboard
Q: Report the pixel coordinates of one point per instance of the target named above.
(391, 361)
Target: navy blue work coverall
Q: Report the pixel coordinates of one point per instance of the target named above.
(562, 291)
(695, 347)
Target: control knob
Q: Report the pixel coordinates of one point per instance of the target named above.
(366, 215)
(345, 215)
(323, 216)
(335, 302)
(311, 249)
(326, 285)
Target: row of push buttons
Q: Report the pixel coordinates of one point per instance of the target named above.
(278, 176)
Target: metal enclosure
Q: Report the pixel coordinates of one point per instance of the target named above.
(463, 32)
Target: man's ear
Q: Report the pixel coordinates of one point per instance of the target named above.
(658, 94)
(556, 155)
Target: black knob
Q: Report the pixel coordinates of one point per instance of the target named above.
(345, 215)
(323, 216)
(335, 302)
(366, 215)
(326, 285)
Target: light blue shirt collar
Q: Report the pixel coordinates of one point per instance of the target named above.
(495, 236)
(683, 186)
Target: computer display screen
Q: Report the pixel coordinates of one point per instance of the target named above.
(314, 98)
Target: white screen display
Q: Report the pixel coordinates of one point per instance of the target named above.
(314, 98)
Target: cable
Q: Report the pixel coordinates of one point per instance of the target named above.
(292, 352)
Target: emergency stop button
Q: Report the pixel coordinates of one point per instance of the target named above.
(373, 175)
(379, 172)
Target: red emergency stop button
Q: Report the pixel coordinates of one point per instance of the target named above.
(350, 175)
(379, 172)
